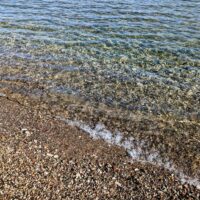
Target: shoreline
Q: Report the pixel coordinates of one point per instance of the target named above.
(44, 158)
(163, 140)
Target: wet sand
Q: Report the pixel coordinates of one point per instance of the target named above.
(44, 158)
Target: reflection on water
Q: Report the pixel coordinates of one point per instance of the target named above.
(142, 57)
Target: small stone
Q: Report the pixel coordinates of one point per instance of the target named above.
(23, 130)
(2, 95)
(10, 150)
(28, 133)
(49, 155)
(78, 175)
(46, 173)
(35, 141)
(118, 184)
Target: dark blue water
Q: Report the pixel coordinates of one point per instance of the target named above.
(136, 55)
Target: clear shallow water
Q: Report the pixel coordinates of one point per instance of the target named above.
(138, 55)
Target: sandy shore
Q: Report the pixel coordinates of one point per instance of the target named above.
(43, 158)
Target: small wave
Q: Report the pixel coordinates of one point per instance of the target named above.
(133, 147)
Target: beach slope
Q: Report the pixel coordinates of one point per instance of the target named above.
(43, 158)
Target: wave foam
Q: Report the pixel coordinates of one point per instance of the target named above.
(134, 148)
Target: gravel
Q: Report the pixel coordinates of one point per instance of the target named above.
(43, 158)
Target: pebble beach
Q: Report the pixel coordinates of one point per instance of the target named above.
(99, 100)
(43, 158)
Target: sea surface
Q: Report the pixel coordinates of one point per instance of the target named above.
(141, 57)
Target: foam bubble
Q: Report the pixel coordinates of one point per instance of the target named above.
(129, 144)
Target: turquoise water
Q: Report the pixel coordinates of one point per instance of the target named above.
(136, 55)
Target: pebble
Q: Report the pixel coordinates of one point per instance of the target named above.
(118, 184)
(27, 174)
(56, 156)
(136, 170)
(49, 155)
(2, 95)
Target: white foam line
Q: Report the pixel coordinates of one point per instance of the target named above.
(134, 148)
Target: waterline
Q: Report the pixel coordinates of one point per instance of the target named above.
(129, 144)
